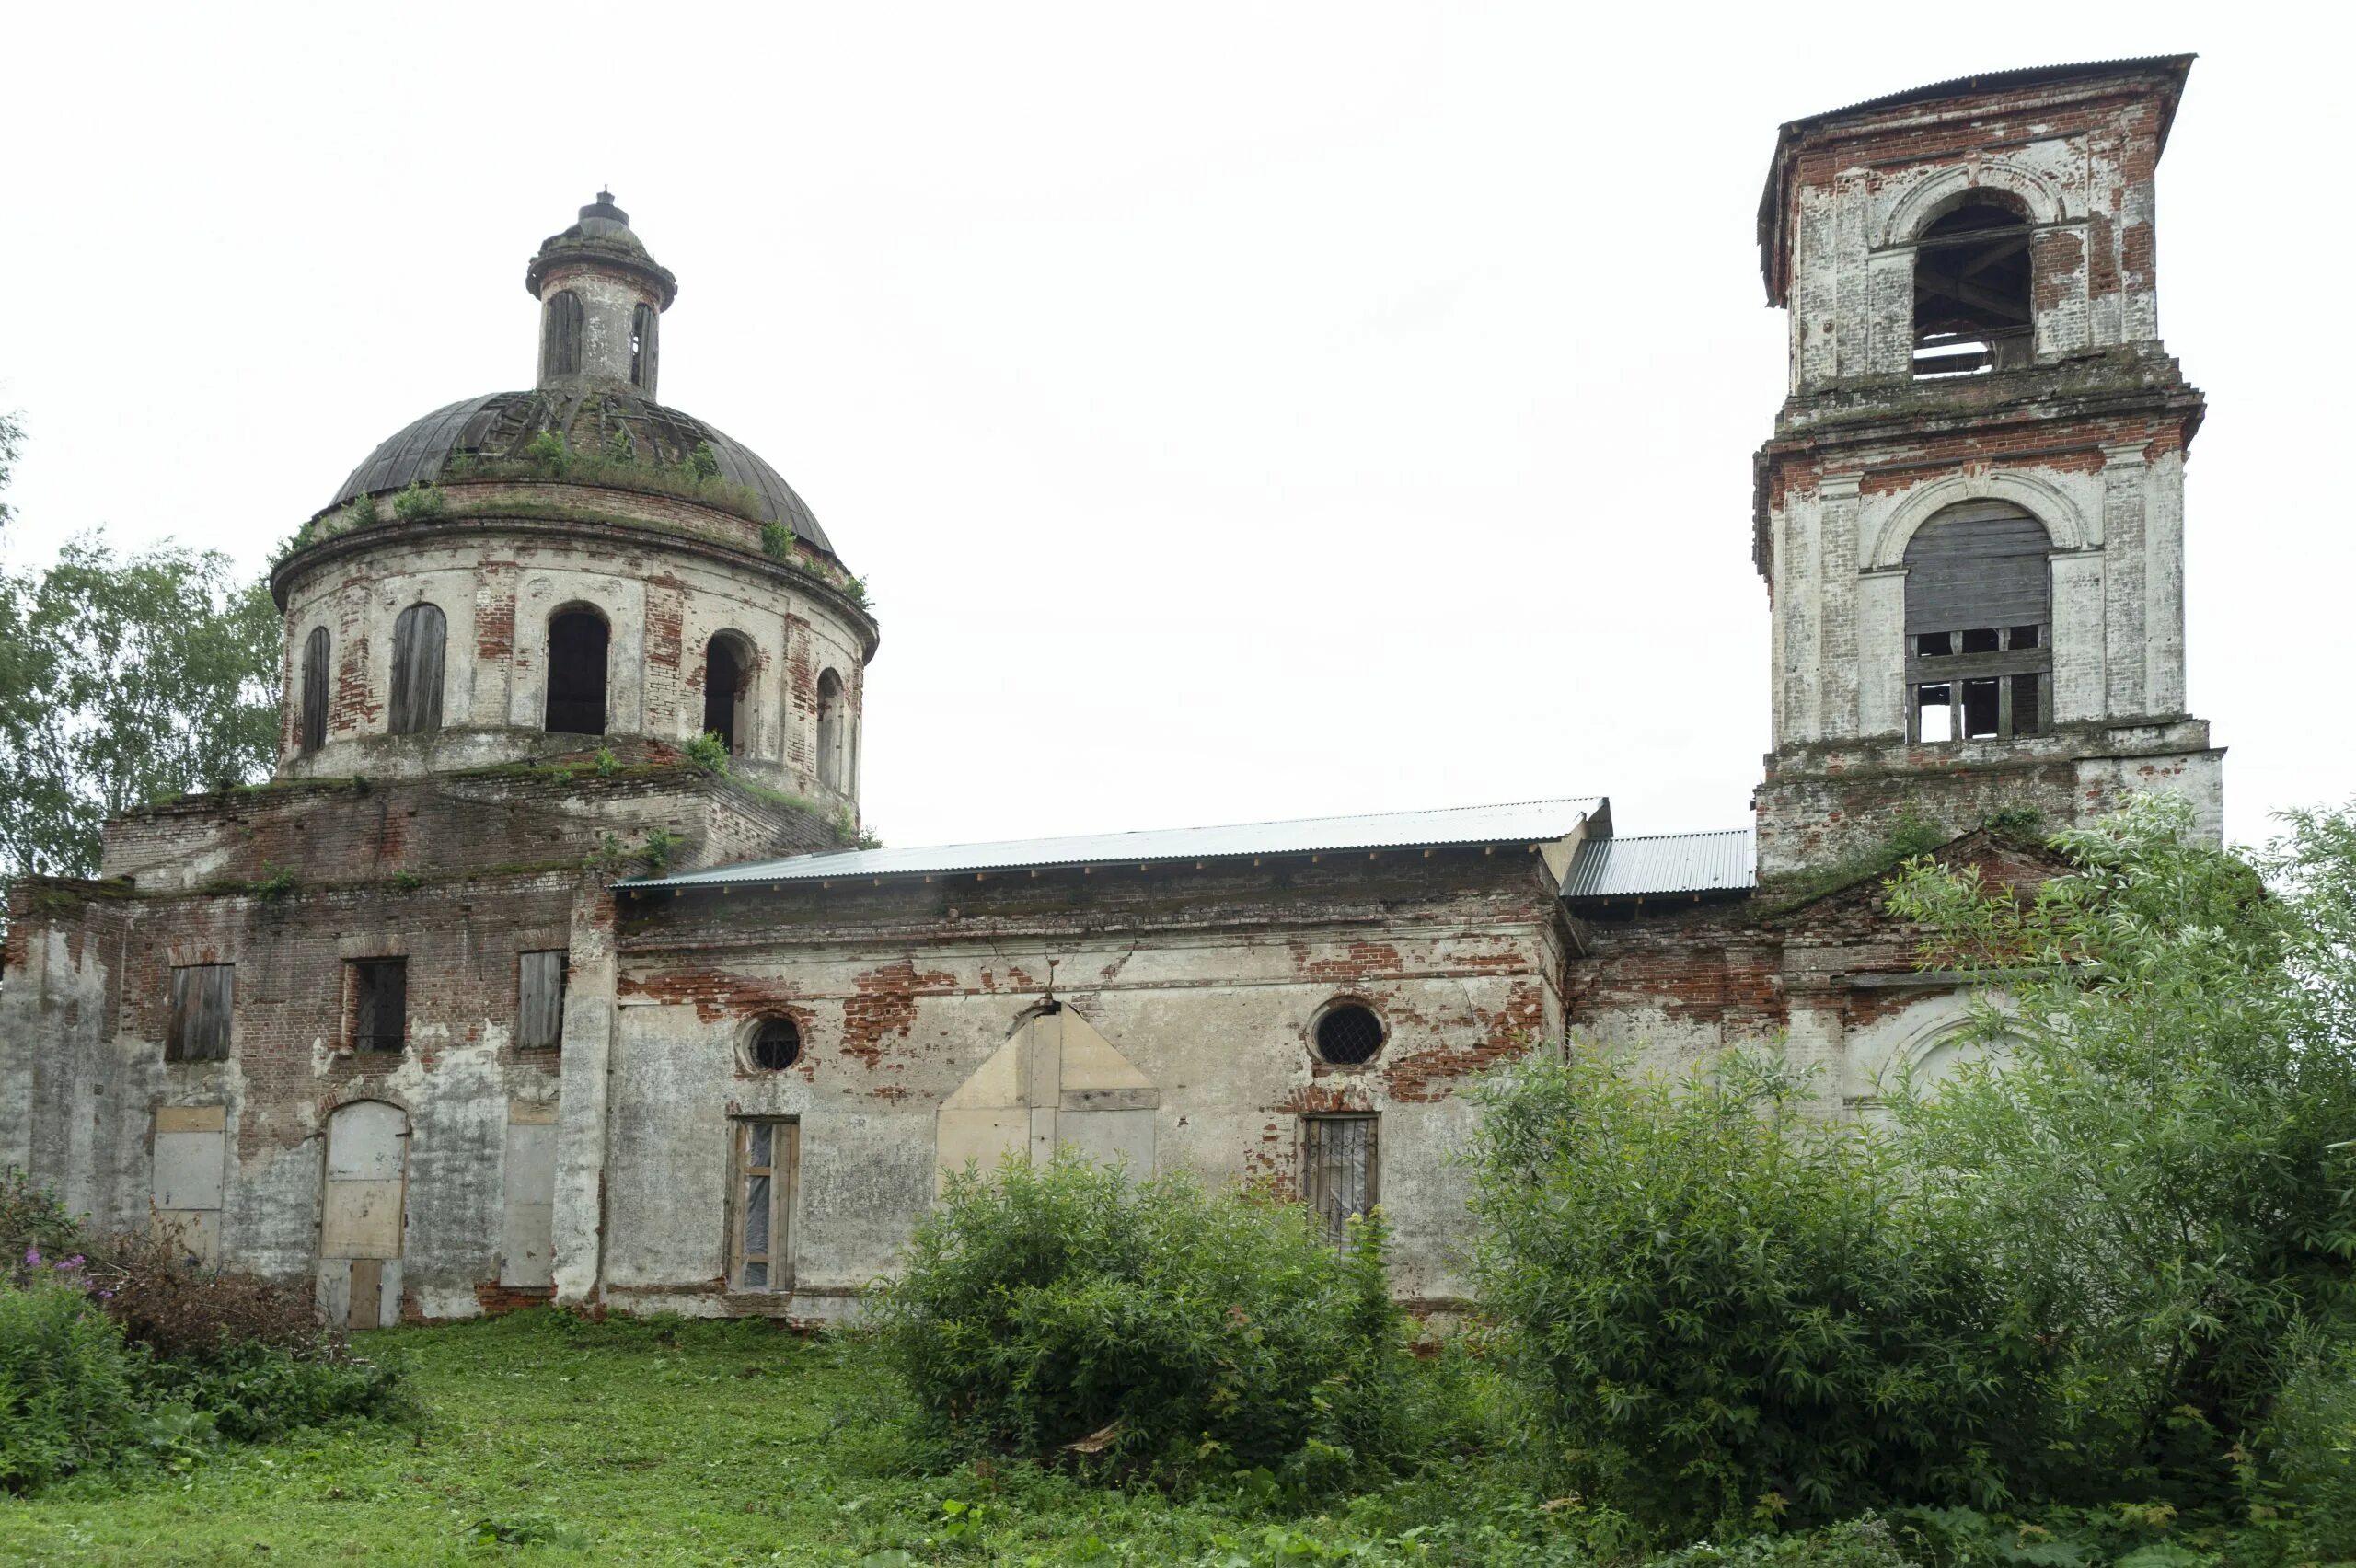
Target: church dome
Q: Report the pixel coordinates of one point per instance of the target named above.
(590, 417)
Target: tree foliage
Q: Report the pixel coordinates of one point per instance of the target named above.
(2151, 1154)
(2109, 1258)
(124, 679)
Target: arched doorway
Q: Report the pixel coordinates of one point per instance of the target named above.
(361, 1211)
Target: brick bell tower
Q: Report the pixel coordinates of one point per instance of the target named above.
(1970, 515)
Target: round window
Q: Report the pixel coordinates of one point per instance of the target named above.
(776, 1045)
(1348, 1033)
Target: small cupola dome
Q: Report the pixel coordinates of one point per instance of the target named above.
(602, 298)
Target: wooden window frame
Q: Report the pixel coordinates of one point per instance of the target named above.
(1952, 669)
(414, 694)
(203, 1002)
(775, 1258)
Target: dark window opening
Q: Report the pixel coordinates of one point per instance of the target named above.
(539, 999)
(560, 330)
(641, 346)
(726, 675)
(1978, 624)
(313, 732)
(1971, 293)
(576, 674)
(415, 705)
(1348, 1034)
(776, 1045)
(830, 730)
(1337, 1159)
(379, 1003)
(198, 1030)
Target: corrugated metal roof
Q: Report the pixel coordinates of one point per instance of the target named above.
(1526, 822)
(1667, 862)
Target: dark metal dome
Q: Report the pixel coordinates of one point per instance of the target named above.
(501, 424)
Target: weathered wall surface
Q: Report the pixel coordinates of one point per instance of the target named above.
(1207, 983)
(456, 874)
(498, 578)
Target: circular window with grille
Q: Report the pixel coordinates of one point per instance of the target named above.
(776, 1045)
(1348, 1033)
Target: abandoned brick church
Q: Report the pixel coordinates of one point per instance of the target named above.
(497, 992)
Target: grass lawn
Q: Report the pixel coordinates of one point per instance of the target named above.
(549, 1441)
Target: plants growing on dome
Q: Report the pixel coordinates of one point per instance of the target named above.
(777, 541)
(703, 462)
(546, 448)
(419, 502)
(619, 447)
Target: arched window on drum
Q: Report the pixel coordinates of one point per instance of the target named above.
(1978, 626)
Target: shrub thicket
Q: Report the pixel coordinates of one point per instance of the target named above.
(67, 1396)
(1067, 1310)
(1730, 1310)
(138, 1350)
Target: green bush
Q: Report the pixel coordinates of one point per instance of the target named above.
(253, 1392)
(709, 752)
(1727, 1311)
(1067, 1311)
(67, 1400)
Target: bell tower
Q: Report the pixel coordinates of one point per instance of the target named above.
(1971, 515)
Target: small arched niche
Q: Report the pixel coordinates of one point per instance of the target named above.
(577, 650)
(1973, 306)
(1978, 625)
(728, 663)
(834, 732)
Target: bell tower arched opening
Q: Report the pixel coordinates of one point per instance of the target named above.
(1978, 625)
(1971, 291)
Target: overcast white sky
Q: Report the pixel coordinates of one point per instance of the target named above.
(1239, 411)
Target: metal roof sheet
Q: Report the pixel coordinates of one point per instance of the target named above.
(1525, 821)
(1667, 862)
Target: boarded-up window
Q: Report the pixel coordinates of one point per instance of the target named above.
(767, 1153)
(1978, 625)
(198, 1030)
(1337, 1161)
(313, 733)
(576, 704)
(539, 1006)
(418, 637)
(642, 331)
(379, 1003)
(560, 335)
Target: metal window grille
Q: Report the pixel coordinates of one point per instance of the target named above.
(1337, 1159)
(777, 1046)
(1348, 1034)
(768, 1158)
